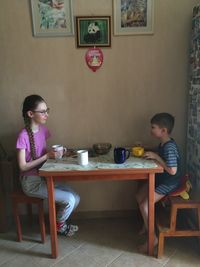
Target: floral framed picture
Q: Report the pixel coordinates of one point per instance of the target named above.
(93, 31)
(52, 17)
(133, 17)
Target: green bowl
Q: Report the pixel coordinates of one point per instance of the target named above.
(102, 148)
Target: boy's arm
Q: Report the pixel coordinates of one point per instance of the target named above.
(152, 155)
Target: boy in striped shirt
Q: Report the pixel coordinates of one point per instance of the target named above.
(167, 155)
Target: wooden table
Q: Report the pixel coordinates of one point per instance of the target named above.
(99, 168)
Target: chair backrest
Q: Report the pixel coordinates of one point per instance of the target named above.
(184, 187)
(9, 175)
(3, 153)
(8, 183)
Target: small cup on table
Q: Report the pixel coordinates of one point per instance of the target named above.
(138, 151)
(59, 151)
(121, 154)
(82, 157)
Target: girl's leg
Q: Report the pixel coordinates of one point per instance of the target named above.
(66, 199)
(66, 188)
(66, 202)
(64, 210)
(64, 195)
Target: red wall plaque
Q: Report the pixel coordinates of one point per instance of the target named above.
(94, 58)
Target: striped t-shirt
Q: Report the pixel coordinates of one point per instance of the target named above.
(165, 182)
(169, 153)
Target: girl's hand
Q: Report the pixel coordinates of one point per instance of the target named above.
(51, 154)
(151, 155)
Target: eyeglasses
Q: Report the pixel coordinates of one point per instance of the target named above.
(43, 112)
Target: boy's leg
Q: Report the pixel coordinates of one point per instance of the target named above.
(140, 195)
(144, 211)
(144, 207)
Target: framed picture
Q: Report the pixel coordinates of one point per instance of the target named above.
(133, 17)
(52, 17)
(93, 31)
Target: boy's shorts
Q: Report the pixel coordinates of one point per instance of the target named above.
(166, 183)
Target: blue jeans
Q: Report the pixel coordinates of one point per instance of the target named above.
(65, 198)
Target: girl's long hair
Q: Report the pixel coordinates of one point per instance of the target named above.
(30, 104)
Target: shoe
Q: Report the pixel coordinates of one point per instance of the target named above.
(68, 229)
(74, 227)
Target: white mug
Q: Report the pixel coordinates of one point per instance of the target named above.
(60, 151)
(82, 157)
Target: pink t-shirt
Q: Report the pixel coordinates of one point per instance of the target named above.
(40, 138)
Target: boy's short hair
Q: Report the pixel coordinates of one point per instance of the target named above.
(164, 120)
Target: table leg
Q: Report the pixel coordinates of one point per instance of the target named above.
(52, 217)
(151, 214)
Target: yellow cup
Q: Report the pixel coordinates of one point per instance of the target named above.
(137, 151)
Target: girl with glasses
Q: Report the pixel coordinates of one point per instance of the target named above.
(32, 153)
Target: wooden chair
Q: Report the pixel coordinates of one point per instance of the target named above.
(7, 177)
(168, 226)
(18, 197)
(11, 193)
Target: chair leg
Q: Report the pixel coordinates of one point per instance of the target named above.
(198, 213)
(173, 216)
(160, 245)
(42, 222)
(3, 224)
(17, 221)
(29, 212)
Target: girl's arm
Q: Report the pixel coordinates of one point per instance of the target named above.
(26, 166)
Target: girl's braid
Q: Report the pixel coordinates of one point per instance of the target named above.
(31, 137)
(30, 104)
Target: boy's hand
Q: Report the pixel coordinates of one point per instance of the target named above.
(151, 155)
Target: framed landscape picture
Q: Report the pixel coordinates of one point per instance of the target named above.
(133, 17)
(93, 31)
(52, 17)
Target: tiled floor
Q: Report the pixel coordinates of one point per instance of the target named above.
(99, 243)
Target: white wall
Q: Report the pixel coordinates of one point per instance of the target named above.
(140, 76)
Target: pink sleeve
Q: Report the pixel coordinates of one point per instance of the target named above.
(21, 141)
(47, 133)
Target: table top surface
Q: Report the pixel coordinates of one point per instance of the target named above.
(104, 162)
